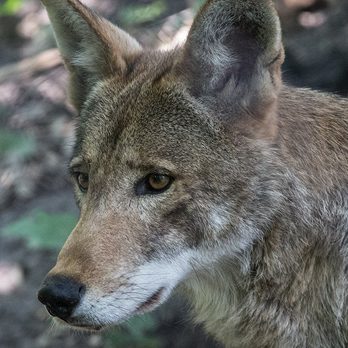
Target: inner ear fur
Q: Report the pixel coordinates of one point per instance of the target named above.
(233, 55)
(92, 48)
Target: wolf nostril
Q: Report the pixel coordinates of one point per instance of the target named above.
(61, 294)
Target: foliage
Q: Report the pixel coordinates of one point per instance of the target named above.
(42, 230)
(16, 145)
(9, 7)
(136, 333)
(197, 4)
(137, 14)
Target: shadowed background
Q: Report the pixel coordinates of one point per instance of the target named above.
(37, 209)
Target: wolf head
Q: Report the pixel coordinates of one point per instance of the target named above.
(173, 166)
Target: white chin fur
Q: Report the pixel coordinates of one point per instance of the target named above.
(146, 288)
(137, 292)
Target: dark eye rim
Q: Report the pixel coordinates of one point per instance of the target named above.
(76, 175)
(142, 187)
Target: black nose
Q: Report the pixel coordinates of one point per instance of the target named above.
(60, 295)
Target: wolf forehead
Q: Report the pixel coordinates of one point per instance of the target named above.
(149, 111)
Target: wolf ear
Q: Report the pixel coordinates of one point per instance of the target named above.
(234, 52)
(92, 48)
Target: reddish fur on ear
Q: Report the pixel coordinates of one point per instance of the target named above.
(233, 55)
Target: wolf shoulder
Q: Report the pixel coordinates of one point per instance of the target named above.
(313, 136)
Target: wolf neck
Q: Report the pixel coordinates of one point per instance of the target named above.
(297, 262)
(216, 294)
(226, 294)
(257, 300)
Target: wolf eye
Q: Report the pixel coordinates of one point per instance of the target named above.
(158, 182)
(82, 180)
(154, 184)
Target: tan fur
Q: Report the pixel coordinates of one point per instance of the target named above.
(87, 42)
(254, 227)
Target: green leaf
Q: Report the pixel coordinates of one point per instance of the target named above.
(16, 145)
(138, 326)
(41, 229)
(198, 4)
(139, 14)
(136, 333)
(10, 7)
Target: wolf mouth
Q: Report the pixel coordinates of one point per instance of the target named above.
(154, 300)
(86, 327)
(79, 325)
(151, 302)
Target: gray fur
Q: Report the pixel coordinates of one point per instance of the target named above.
(260, 199)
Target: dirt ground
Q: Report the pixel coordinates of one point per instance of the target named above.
(34, 110)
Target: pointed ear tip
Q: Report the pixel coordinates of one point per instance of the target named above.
(269, 27)
(258, 17)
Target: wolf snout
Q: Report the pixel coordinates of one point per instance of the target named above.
(61, 295)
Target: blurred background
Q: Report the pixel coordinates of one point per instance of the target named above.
(37, 209)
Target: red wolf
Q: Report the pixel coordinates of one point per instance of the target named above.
(196, 169)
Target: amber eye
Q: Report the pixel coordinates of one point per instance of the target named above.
(83, 181)
(153, 184)
(158, 182)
